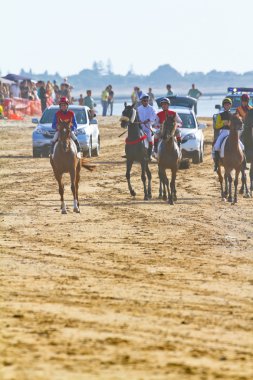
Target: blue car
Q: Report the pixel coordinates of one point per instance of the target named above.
(87, 131)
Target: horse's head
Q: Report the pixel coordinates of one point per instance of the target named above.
(235, 122)
(168, 127)
(64, 129)
(128, 116)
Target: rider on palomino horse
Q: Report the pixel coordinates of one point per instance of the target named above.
(67, 116)
(161, 116)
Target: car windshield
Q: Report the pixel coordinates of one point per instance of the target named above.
(48, 116)
(188, 120)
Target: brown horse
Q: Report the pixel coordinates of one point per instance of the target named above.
(233, 160)
(65, 160)
(169, 157)
(248, 142)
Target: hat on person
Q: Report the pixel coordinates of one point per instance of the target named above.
(227, 100)
(245, 98)
(165, 100)
(144, 96)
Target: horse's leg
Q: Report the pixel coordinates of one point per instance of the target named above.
(237, 172)
(148, 172)
(244, 185)
(251, 178)
(73, 189)
(173, 184)
(229, 187)
(162, 175)
(160, 184)
(221, 183)
(61, 192)
(78, 169)
(129, 167)
(143, 178)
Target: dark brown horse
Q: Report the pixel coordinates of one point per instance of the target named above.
(169, 157)
(248, 143)
(135, 149)
(65, 160)
(233, 160)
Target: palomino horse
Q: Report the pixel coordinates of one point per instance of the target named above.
(233, 160)
(65, 160)
(169, 157)
(135, 149)
(248, 142)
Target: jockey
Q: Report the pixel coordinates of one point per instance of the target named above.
(243, 109)
(223, 124)
(161, 116)
(147, 117)
(68, 116)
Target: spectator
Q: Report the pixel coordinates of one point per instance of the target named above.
(15, 90)
(89, 101)
(24, 89)
(169, 90)
(194, 93)
(42, 94)
(81, 100)
(104, 100)
(1, 110)
(110, 99)
(151, 97)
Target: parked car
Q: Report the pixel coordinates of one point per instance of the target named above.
(87, 132)
(234, 93)
(192, 136)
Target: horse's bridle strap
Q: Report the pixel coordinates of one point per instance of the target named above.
(136, 141)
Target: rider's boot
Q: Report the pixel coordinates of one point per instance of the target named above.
(179, 143)
(216, 160)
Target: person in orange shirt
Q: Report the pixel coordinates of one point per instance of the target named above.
(243, 109)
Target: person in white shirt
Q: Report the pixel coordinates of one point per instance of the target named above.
(147, 116)
(15, 90)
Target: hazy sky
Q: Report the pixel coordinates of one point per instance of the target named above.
(67, 36)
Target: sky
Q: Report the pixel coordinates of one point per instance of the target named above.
(67, 36)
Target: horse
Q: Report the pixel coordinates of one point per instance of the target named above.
(135, 149)
(169, 157)
(233, 160)
(65, 160)
(248, 142)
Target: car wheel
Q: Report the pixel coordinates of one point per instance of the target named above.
(96, 151)
(88, 153)
(196, 157)
(36, 153)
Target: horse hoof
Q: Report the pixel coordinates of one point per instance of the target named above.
(224, 199)
(171, 203)
(149, 196)
(241, 191)
(160, 196)
(164, 198)
(77, 210)
(64, 211)
(175, 198)
(133, 193)
(247, 195)
(146, 198)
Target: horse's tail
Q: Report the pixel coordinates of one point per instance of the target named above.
(85, 164)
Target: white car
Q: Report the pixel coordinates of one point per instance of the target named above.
(87, 131)
(192, 145)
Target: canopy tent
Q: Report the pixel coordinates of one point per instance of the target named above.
(6, 81)
(15, 77)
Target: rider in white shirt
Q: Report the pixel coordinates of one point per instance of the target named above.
(147, 116)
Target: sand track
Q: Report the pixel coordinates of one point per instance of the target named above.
(127, 289)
